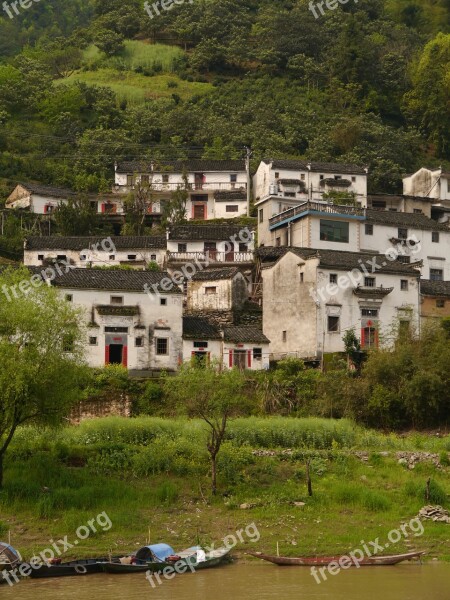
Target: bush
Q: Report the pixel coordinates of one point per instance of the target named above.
(167, 493)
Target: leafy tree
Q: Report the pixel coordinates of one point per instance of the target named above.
(213, 396)
(76, 217)
(39, 380)
(174, 210)
(138, 204)
(109, 42)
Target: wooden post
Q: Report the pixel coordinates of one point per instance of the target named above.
(308, 477)
(278, 549)
(427, 490)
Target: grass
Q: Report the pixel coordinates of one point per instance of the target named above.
(136, 54)
(152, 474)
(136, 88)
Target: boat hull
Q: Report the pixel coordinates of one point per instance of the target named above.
(69, 569)
(320, 561)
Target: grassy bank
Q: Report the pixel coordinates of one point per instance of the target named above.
(152, 474)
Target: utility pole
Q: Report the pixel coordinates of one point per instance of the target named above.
(248, 156)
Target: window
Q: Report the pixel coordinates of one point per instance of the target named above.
(93, 341)
(302, 177)
(436, 275)
(402, 233)
(211, 290)
(129, 180)
(277, 175)
(302, 277)
(261, 215)
(82, 256)
(369, 229)
(40, 257)
(145, 179)
(139, 342)
(290, 194)
(132, 257)
(116, 329)
(369, 339)
(333, 324)
(337, 177)
(112, 257)
(284, 336)
(369, 312)
(378, 204)
(163, 301)
(440, 303)
(405, 260)
(257, 353)
(153, 257)
(69, 297)
(333, 277)
(321, 177)
(182, 248)
(231, 208)
(417, 211)
(435, 237)
(68, 343)
(233, 178)
(334, 231)
(369, 282)
(165, 178)
(353, 178)
(243, 247)
(117, 300)
(200, 344)
(162, 346)
(404, 285)
(61, 257)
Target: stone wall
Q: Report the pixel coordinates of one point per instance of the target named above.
(119, 406)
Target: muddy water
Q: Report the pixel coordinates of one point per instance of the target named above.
(257, 581)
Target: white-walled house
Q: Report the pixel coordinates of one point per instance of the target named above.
(429, 183)
(312, 297)
(36, 198)
(413, 236)
(291, 180)
(84, 252)
(216, 245)
(224, 289)
(124, 324)
(216, 188)
(245, 348)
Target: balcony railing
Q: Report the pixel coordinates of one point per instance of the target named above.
(342, 209)
(211, 257)
(159, 186)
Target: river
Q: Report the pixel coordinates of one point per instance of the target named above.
(248, 582)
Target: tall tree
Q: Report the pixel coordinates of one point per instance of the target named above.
(40, 352)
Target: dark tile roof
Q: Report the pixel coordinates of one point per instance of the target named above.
(83, 243)
(316, 167)
(434, 288)
(406, 220)
(210, 232)
(48, 190)
(200, 328)
(228, 196)
(398, 197)
(109, 279)
(244, 335)
(216, 274)
(177, 166)
(340, 260)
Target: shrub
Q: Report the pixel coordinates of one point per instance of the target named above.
(167, 493)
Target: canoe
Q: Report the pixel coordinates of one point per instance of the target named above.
(316, 561)
(138, 562)
(72, 568)
(188, 561)
(9, 559)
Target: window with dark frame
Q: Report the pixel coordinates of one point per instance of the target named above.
(436, 275)
(182, 248)
(333, 278)
(261, 215)
(210, 290)
(302, 277)
(139, 342)
(369, 229)
(93, 341)
(153, 257)
(69, 297)
(435, 237)
(117, 300)
(440, 303)
(112, 257)
(200, 344)
(231, 208)
(40, 257)
(369, 312)
(369, 282)
(163, 301)
(334, 231)
(333, 324)
(132, 257)
(402, 233)
(162, 346)
(165, 178)
(257, 353)
(284, 336)
(404, 285)
(405, 260)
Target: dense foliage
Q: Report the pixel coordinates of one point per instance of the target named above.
(81, 86)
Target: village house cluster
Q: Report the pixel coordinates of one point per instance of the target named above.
(323, 257)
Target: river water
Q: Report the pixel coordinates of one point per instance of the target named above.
(257, 581)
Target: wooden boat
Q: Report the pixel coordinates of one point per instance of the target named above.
(320, 561)
(161, 556)
(69, 569)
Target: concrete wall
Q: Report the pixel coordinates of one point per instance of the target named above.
(230, 294)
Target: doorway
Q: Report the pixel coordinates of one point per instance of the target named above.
(239, 359)
(115, 354)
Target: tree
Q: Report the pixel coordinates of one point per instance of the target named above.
(211, 395)
(109, 42)
(174, 210)
(41, 356)
(138, 204)
(353, 349)
(76, 217)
